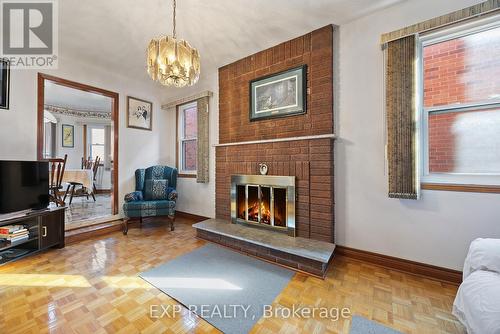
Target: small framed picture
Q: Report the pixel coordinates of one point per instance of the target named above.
(68, 135)
(139, 114)
(4, 83)
(279, 95)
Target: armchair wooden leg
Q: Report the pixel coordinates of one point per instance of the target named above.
(125, 226)
(140, 222)
(172, 221)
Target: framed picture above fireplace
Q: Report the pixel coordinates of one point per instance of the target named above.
(279, 95)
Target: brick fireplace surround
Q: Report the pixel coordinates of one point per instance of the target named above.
(309, 160)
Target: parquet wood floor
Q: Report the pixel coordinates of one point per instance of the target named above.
(93, 287)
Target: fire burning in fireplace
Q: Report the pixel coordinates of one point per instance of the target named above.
(253, 213)
(259, 205)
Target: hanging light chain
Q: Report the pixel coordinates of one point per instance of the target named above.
(173, 21)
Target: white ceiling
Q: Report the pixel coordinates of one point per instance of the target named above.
(66, 97)
(114, 33)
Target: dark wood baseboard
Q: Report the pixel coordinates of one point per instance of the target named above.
(195, 218)
(103, 191)
(416, 268)
(85, 232)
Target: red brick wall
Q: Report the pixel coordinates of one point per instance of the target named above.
(310, 161)
(314, 49)
(462, 70)
(441, 143)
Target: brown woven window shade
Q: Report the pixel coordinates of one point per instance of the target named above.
(401, 112)
(203, 148)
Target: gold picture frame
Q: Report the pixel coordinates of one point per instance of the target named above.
(68, 135)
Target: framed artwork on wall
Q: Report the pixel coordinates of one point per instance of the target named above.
(279, 95)
(4, 83)
(68, 135)
(139, 114)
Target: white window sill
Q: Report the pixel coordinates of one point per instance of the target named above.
(462, 179)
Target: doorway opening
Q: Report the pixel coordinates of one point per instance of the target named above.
(79, 124)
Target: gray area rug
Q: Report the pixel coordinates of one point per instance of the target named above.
(360, 325)
(226, 288)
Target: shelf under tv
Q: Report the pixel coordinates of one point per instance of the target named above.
(4, 245)
(46, 230)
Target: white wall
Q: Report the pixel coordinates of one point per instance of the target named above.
(137, 148)
(436, 229)
(195, 198)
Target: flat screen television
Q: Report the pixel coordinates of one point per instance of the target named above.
(24, 185)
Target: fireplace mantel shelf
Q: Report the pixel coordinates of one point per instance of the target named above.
(276, 140)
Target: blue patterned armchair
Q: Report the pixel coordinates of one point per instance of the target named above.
(154, 195)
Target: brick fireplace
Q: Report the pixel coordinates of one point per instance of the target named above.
(300, 147)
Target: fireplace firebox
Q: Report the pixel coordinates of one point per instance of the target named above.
(263, 200)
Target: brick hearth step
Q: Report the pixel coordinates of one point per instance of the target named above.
(307, 255)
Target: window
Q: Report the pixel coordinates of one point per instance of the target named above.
(188, 142)
(49, 140)
(97, 143)
(460, 105)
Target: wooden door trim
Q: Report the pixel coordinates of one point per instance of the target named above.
(87, 88)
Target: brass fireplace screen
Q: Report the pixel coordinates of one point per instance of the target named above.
(267, 201)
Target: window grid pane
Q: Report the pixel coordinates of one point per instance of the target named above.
(190, 123)
(189, 155)
(97, 151)
(463, 72)
(464, 142)
(97, 136)
(188, 128)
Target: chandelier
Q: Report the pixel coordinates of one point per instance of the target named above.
(172, 61)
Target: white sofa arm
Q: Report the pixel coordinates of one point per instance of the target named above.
(477, 304)
(484, 254)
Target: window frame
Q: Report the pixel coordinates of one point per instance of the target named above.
(181, 139)
(91, 145)
(461, 180)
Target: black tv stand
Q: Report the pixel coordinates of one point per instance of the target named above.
(46, 230)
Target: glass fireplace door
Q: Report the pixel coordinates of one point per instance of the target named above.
(262, 204)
